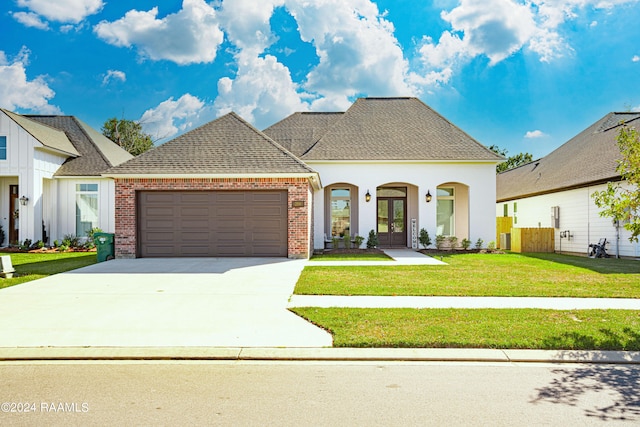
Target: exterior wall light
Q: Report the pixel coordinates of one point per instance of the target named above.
(24, 200)
(428, 196)
(367, 197)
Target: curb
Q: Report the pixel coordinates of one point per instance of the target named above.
(317, 354)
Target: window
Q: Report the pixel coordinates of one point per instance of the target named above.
(3, 148)
(86, 208)
(445, 212)
(505, 209)
(340, 212)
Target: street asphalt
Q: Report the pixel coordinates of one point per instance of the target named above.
(225, 309)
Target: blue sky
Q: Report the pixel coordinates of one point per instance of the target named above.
(526, 76)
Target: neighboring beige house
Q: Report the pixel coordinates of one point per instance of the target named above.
(392, 165)
(50, 182)
(556, 191)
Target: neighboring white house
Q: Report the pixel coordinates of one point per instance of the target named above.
(393, 165)
(556, 191)
(50, 183)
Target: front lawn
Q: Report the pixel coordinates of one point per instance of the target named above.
(544, 275)
(479, 328)
(32, 266)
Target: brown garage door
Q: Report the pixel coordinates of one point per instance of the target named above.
(212, 223)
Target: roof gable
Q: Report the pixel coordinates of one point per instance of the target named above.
(227, 145)
(396, 129)
(47, 136)
(588, 158)
(95, 154)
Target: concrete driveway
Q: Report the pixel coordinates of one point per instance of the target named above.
(202, 302)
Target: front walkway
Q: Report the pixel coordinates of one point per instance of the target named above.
(400, 257)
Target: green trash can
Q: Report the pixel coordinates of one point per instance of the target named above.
(104, 246)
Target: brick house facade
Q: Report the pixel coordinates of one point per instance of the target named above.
(299, 228)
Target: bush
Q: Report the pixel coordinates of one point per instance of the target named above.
(335, 242)
(479, 243)
(373, 241)
(56, 243)
(465, 244)
(347, 241)
(440, 239)
(424, 238)
(63, 248)
(491, 246)
(453, 242)
(358, 241)
(71, 241)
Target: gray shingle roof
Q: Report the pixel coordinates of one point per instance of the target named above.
(227, 145)
(96, 153)
(298, 132)
(389, 129)
(589, 158)
(46, 135)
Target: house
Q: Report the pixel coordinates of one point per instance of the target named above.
(392, 165)
(50, 178)
(556, 191)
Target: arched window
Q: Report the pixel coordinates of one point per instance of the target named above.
(446, 211)
(340, 212)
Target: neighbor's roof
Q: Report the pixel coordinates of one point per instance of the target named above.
(589, 158)
(96, 153)
(47, 136)
(389, 129)
(298, 132)
(228, 145)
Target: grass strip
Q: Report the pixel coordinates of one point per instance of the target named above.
(479, 328)
(32, 266)
(550, 275)
(365, 256)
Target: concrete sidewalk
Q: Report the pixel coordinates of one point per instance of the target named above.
(399, 257)
(318, 354)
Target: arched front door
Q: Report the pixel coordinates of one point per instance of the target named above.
(392, 216)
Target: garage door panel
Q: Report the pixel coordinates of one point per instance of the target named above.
(212, 223)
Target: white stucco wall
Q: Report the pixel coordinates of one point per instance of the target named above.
(578, 214)
(425, 176)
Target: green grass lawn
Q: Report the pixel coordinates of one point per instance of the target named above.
(32, 266)
(548, 275)
(479, 328)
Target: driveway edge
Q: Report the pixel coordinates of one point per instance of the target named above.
(317, 354)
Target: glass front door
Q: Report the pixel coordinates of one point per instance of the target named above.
(392, 222)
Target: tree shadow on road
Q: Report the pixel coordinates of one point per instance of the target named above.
(572, 385)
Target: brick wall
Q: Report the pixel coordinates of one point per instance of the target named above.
(299, 236)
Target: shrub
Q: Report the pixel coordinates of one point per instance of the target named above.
(335, 242)
(39, 244)
(440, 239)
(465, 244)
(373, 241)
(491, 246)
(63, 248)
(453, 242)
(347, 241)
(71, 241)
(56, 243)
(479, 243)
(358, 241)
(424, 238)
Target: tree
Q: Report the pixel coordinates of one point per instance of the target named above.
(512, 161)
(127, 134)
(622, 202)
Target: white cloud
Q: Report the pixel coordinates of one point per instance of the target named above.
(17, 92)
(30, 19)
(63, 10)
(171, 117)
(191, 35)
(533, 134)
(357, 49)
(262, 91)
(114, 75)
(497, 29)
(636, 58)
(246, 23)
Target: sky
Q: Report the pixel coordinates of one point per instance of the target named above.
(523, 75)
